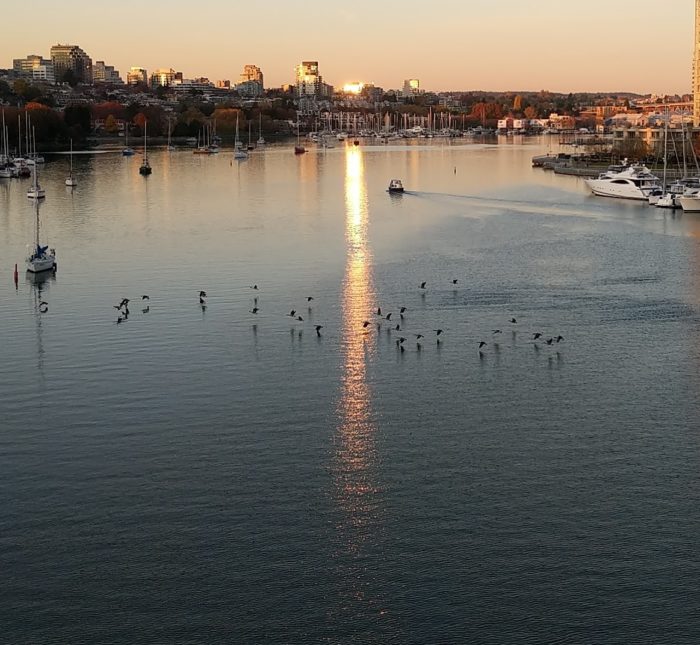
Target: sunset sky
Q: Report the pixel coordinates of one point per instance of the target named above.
(633, 45)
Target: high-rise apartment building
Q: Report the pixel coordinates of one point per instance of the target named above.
(411, 87)
(137, 75)
(251, 73)
(102, 73)
(309, 83)
(71, 58)
(307, 78)
(696, 68)
(34, 67)
(165, 77)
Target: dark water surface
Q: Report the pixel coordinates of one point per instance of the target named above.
(195, 476)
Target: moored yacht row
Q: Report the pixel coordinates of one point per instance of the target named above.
(637, 182)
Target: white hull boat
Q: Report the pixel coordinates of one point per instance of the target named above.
(41, 258)
(634, 182)
(71, 180)
(36, 191)
(690, 203)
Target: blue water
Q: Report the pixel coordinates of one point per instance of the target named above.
(211, 475)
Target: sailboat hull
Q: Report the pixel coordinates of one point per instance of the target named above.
(39, 265)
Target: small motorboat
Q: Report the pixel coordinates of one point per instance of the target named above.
(395, 186)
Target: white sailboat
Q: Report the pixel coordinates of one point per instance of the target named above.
(127, 151)
(71, 180)
(145, 168)
(299, 149)
(250, 140)
(7, 168)
(238, 151)
(36, 191)
(261, 140)
(171, 147)
(41, 258)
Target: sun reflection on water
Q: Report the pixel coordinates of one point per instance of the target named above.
(356, 493)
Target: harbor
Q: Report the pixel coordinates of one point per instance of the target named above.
(265, 456)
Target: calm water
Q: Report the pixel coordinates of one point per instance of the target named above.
(210, 475)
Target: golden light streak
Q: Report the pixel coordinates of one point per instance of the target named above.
(356, 491)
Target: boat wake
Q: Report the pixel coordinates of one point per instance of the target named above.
(520, 205)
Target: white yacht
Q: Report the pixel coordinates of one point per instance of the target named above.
(633, 182)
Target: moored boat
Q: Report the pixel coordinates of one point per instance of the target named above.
(145, 168)
(71, 180)
(690, 202)
(36, 191)
(41, 258)
(634, 182)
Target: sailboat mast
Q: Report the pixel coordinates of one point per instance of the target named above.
(36, 209)
(663, 183)
(685, 163)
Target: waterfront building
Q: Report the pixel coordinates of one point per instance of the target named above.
(251, 73)
(137, 75)
(34, 67)
(223, 85)
(562, 121)
(165, 77)
(102, 73)
(696, 68)
(71, 58)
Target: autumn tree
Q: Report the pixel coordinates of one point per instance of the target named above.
(111, 125)
(103, 110)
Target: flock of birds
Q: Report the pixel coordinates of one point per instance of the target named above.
(381, 318)
(123, 308)
(391, 325)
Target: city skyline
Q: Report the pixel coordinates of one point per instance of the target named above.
(512, 46)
